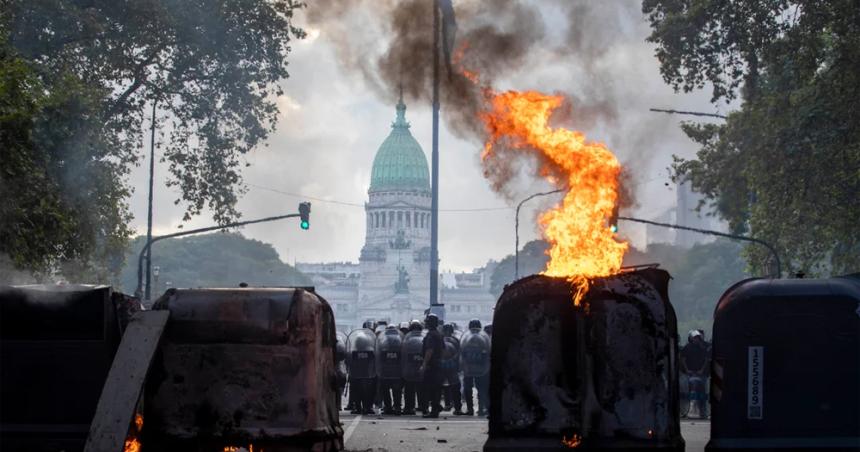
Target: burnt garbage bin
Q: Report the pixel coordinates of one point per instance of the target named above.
(786, 366)
(57, 343)
(244, 367)
(599, 376)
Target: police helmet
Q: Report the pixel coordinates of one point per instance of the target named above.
(432, 321)
(448, 329)
(415, 326)
(692, 335)
(474, 323)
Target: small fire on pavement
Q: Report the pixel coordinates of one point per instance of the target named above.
(132, 442)
(250, 448)
(573, 441)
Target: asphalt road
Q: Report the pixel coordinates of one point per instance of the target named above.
(449, 433)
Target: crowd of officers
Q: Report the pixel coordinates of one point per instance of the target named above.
(409, 368)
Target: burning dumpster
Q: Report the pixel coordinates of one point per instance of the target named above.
(56, 347)
(244, 368)
(599, 375)
(786, 366)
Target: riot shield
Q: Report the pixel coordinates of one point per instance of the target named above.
(360, 353)
(451, 354)
(475, 354)
(388, 360)
(412, 356)
(340, 348)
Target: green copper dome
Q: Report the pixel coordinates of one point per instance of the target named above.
(400, 163)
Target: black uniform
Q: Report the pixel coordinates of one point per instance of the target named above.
(433, 375)
(696, 360)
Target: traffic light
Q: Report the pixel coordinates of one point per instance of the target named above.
(304, 215)
(613, 220)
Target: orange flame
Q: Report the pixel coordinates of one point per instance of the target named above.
(132, 443)
(574, 441)
(250, 448)
(582, 246)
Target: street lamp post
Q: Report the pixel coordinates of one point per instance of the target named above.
(149, 207)
(517, 229)
(304, 209)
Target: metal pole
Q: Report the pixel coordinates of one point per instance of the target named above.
(434, 203)
(716, 233)
(148, 246)
(517, 229)
(691, 113)
(149, 213)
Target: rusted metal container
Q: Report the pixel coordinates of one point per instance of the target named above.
(56, 347)
(243, 367)
(602, 375)
(785, 372)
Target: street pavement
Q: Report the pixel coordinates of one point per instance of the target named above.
(450, 433)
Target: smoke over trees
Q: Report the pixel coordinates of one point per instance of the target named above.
(212, 68)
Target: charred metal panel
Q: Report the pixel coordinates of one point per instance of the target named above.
(56, 347)
(786, 366)
(120, 396)
(244, 366)
(604, 372)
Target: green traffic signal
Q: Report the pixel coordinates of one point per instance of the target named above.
(613, 220)
(304, 215)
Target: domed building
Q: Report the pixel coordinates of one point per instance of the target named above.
(397, 239)
(391, 280)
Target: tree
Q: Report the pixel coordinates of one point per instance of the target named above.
(533, 260)
(212, 67)
(212, 260)
(700, 276)
(61, 204)
(785, 167)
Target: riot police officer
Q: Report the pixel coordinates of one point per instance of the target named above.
(696, 364)
(431, 367)
(361, 361)
(412, 357)
(451, 370)
(475, 362)
(388, 350)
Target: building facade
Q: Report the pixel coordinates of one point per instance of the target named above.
(391, 279)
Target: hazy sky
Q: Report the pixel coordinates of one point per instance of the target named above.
(332, 123)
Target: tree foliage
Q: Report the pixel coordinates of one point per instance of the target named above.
(785, 167)
(89, 72)
(700, 276)
(533, 260)
(62, 204)
(212, 260)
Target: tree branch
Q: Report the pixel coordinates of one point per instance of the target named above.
(139, 80)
